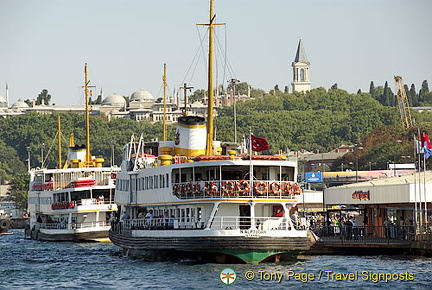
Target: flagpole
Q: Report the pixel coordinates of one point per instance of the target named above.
(415, 185)
(250, 161)
(419, 181)
(424, 191)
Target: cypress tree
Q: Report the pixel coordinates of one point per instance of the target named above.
(414, 96)
(372, 89)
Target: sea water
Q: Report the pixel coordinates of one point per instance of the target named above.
(29, 264)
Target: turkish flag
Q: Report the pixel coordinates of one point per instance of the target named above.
(425, 138)
(259, 144)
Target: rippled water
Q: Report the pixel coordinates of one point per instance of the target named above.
(28, 264)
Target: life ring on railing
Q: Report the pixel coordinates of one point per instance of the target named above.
(288, 188)
(212, 187)
(276, 188)
(243, 186)
(228, 187)
(189, 187)
(183, 188)
(260, 187)
(196, 188)
(176, 189)
(296, 189)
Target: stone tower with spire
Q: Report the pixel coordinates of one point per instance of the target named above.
(301, 81)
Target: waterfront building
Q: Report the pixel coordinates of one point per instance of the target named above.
(397, 198)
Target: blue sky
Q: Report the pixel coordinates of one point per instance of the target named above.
(45, 43)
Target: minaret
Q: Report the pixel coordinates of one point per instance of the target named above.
(301, 81)
(7, 96)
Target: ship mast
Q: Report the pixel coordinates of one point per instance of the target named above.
(209, 150)
(88, 158)
(59, 144)
(164, 107)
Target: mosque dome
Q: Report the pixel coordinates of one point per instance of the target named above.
(20, 104)
(114, 100)
(141, 96)
(2, 101)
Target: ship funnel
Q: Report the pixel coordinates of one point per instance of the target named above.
(190, 139)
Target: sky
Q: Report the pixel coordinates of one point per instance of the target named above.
(44, 44)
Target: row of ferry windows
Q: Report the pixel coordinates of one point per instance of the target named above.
(144, 183)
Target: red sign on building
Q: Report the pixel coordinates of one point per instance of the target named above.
(361, 195)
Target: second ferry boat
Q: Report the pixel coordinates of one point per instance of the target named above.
(76, 201)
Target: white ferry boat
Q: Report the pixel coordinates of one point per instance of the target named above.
(73, 202)
(195, 198)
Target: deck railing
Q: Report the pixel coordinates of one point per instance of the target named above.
(82, 202)
(236, 188)
(60, 225)
(218, 223)
(365, 234)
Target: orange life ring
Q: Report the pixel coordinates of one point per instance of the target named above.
(212, 188)
(296, 188)
(260, 187)
(196, 188)
(243, 186)
(276, 188)
(288, 188)
(228, 187)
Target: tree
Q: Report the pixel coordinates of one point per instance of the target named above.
(28, 102)
(197, 96)
(18, 190)
(413, 95)
(286, 90)
(423, 91)
(98, 101)
(372, 90)
(43, 98)
(334, 87)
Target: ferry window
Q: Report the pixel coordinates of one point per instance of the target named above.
(156, 182)
(48, 177)
(151, 182)
(182, 215)
(39, 178)
(161, 181)
(188, 214)
(146, 183)
(199, 214)
(166, 179)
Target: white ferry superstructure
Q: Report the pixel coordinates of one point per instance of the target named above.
(206, 206)
(75, 201)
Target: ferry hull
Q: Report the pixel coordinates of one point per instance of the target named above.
(100, 235)
(210, 248)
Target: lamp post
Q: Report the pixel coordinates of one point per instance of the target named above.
(233, 83)
(28, 158)
(358, 147)
(42, 154)
(394, 157)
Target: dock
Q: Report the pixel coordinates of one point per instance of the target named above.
(373, 243)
